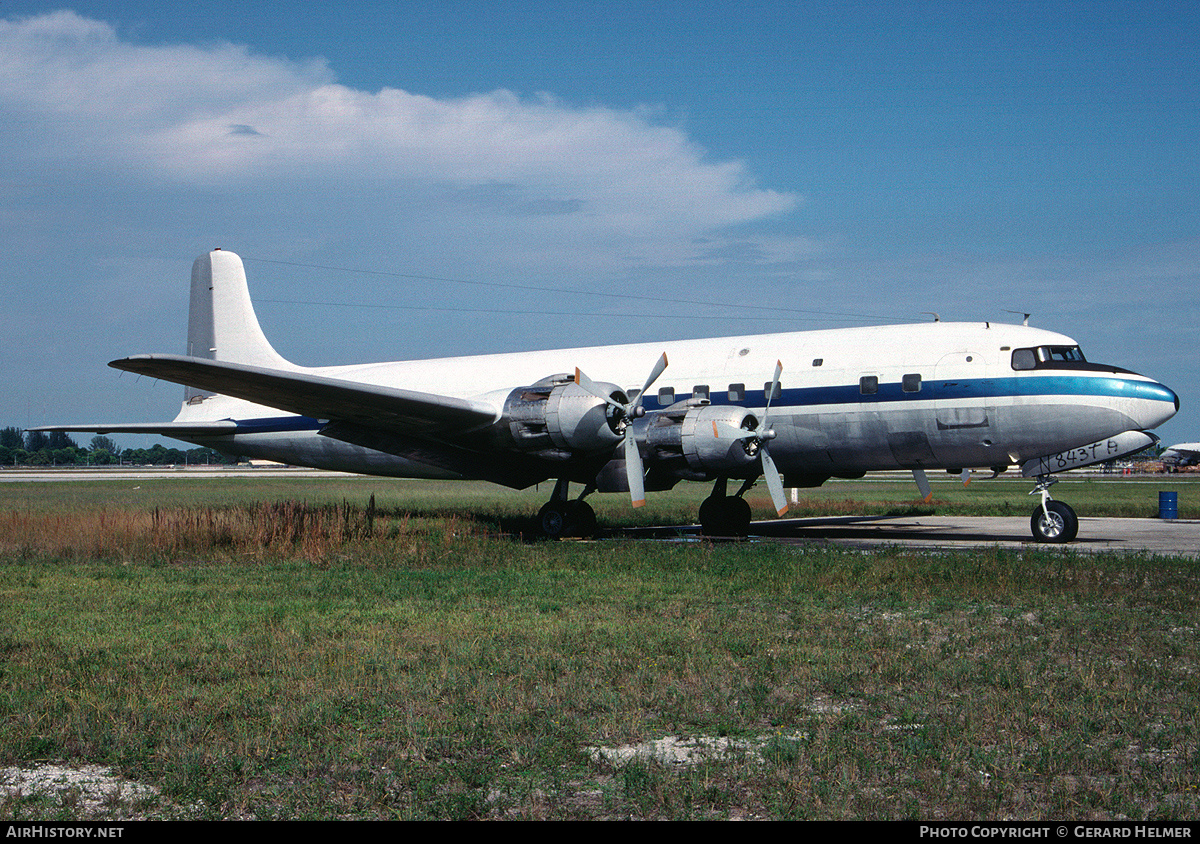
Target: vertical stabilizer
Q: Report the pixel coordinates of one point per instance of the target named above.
(221, 320)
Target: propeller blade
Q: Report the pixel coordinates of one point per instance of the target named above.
(771, 391)
(923, 485)
(634, 471)
(765, 435)
(659, 366)
(592, 387)
(966, 476)
(774, 484)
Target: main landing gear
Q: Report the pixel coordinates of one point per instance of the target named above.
(725, 515)
(561, 517)
(1052, 521)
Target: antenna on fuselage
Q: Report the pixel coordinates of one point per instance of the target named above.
(1025, 320)
(936, 318)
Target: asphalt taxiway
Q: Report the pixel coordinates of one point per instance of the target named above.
(1171, 537)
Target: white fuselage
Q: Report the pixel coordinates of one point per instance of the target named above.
(932, 395)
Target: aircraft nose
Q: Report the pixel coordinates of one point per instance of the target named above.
(1165, 406)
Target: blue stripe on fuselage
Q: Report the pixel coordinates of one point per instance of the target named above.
(974, 388)
(848, 394)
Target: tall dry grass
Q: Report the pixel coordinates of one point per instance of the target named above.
(293, 528)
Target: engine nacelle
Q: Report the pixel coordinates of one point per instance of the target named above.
(690, 441)
(557, 419)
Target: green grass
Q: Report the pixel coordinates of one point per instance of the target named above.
(425, 667)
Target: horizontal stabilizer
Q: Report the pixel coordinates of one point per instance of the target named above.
(317, 396)
(166, 429)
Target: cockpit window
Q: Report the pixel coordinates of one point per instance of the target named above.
(1023, 359)
(1060, 354)
(1048, 357)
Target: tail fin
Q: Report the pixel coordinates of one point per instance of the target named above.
(221, 320)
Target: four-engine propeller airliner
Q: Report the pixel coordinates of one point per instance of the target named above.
(807, 406)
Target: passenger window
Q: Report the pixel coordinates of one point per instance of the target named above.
(666, 396)
(1023, 359)
(911, 383)
(737, 392)
(818, 361)
(868, 385)
(768, 395)
(700, 391)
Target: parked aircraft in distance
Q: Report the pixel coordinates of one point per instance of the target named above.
(809, 406)
(1182, 454)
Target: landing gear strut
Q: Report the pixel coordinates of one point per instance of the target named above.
(725, 515)
(1052, 521)
(561, 517)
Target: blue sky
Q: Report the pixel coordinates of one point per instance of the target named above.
(809, 165)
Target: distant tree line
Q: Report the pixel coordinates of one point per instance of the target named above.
(55, 448)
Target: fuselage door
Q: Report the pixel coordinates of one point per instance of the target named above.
(964, 408)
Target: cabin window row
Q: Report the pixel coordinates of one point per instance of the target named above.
(868, 385)
(735, 393)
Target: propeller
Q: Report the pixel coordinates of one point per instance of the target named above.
(634, 469)
(763, 435)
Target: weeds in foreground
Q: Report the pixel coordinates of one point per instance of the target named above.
(276, 529)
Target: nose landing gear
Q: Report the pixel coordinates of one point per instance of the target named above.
(1052, 521)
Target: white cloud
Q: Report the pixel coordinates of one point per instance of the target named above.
(590, 178)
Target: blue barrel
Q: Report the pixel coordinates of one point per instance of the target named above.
(1168, 505)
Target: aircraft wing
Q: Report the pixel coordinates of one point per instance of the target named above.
(319, 397)
(166, 429)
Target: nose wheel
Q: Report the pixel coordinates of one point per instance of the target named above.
(1052, 521)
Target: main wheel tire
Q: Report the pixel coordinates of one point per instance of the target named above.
(552, 520)
(739, 516)
(557, 519)
(725, 515)
(581, 519)
(1056, 523)
(710, 515)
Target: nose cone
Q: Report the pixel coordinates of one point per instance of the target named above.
(1162, 404)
